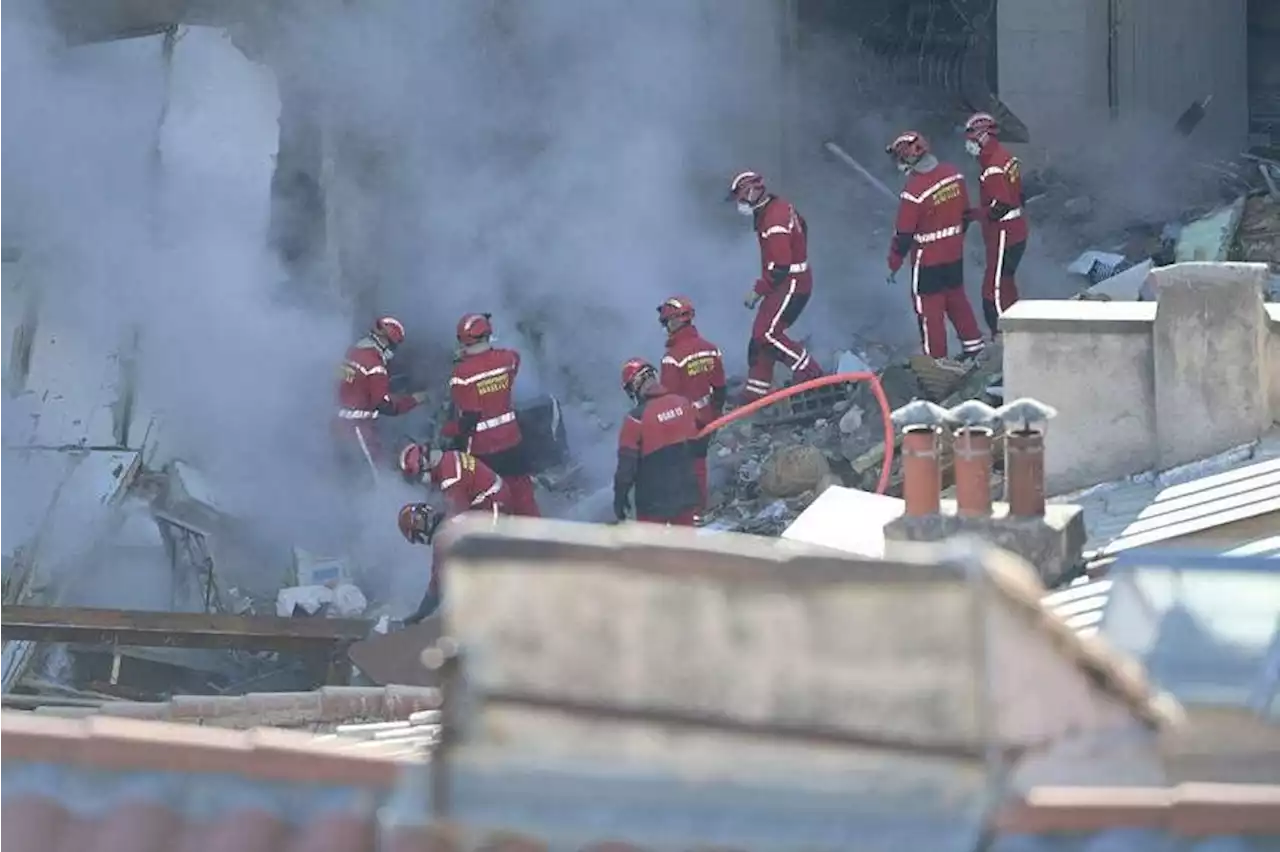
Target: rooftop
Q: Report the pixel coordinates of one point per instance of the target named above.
(1154, 507)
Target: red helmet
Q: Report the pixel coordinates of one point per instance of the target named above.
(633, 371)
(676, 308)
(391, 329)
(474, 328)
(417, 522)
(746, 188)
(979, 125)
(413, 461)
(908, 148)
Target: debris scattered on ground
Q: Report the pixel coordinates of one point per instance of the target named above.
(1209, 238)
(764, 473)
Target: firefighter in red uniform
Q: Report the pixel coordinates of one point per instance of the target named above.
(466, 483)
(655, 452)
(364, 392)
(418, 523)
(484, 421)
(694, 369)
(933, 215)
(1000, 213)
(783, 289)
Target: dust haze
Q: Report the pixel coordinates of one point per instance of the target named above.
(559, 164)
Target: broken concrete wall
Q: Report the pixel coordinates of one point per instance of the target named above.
(1142, 386)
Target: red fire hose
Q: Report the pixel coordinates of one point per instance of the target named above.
(821, 382)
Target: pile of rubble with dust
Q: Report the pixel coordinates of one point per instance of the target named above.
(767, 469)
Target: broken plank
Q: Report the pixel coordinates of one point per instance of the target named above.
(179, 629)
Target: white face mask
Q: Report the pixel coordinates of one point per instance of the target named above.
(745, 209)
(972, 147)
(905, 168)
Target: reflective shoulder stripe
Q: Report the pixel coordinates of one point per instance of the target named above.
(479, 377)
(992, 171)
(776, 229)
(365, 371)
(667, 359)
(946, 181)
(705, 353)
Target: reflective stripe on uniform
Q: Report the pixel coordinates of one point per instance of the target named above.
(367, 371)
(999, 272)
(919, 305)
(776, 229)
(991, 171)
(1015, 213)
(494, 422)
(796, 357)
(684, 362)
(479, 377)
(916, 199)
(934, 236)
(491, 491)
(356, 414)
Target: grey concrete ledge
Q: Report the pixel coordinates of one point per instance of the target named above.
(1079, 317)
(1273, 312)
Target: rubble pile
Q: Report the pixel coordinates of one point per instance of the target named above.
(767, 469)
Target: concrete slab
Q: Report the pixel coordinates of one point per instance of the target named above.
(846, 519)
(1052, 544)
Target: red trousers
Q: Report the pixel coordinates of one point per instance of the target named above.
(522, 501)
(770, 342)
(937, 293)
(999, 288)
(684, 519)
(700, 471)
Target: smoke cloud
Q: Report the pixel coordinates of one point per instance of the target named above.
(559, 164)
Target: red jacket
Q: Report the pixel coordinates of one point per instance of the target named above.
(784, 247)
(656, 453)
(1000, 194)
(694, 369)
(481, 389)
(932, 216)
(364, 392)
(468, 484)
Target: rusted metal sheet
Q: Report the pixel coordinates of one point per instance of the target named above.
(179, 629)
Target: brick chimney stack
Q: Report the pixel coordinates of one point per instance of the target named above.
(921, 423)
(973, 430)
(1025, 422)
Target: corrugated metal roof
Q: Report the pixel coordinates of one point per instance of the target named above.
(1155, 507)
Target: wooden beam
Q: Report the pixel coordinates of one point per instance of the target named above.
(148, 629)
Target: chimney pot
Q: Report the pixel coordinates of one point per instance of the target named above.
(1025, 422)
(921, 470)
(1024, 473)
(971, 453)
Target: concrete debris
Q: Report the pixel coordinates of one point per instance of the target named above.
(791, 471)
(341, 601)
(1097, 265)
(764, 474)
(1210, 238)
(1258, 237)
(1131, 285)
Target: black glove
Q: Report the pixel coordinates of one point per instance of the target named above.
(621, 503)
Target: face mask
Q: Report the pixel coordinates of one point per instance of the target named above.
(744, 208)
(904, 167)
(972, 147)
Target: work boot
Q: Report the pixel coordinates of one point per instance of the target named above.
(967, 357)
